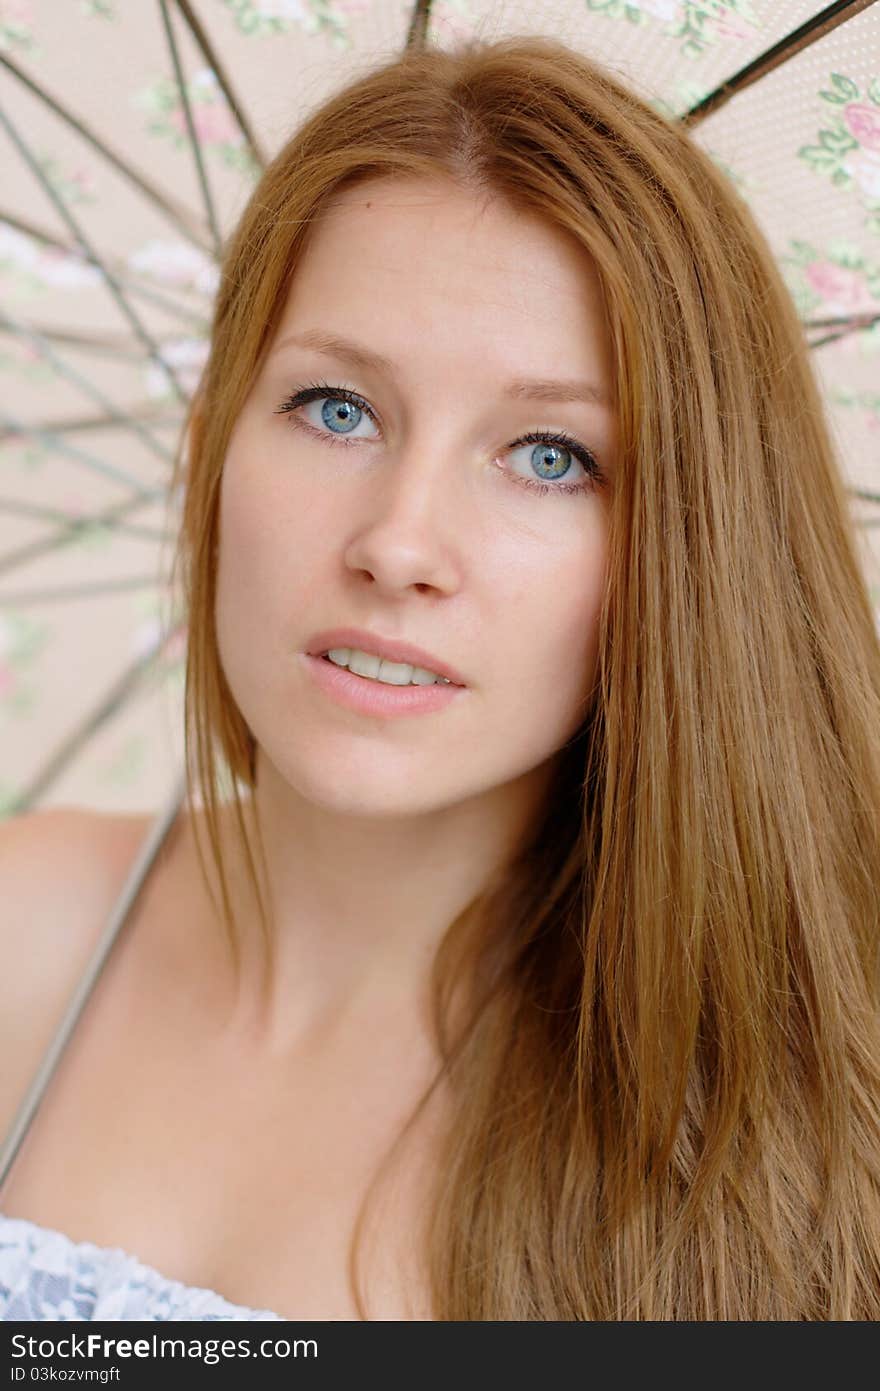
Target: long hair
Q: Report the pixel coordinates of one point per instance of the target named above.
(665, 1089)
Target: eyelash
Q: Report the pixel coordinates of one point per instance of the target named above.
(315, 391)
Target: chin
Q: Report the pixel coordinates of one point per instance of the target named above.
(371, 786)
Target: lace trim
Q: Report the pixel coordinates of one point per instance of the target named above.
(46, 1275)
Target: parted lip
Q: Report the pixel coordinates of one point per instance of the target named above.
(392, 649)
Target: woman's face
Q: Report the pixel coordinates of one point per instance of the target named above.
(422, 527)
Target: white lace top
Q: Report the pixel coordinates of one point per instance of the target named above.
(46, 1275)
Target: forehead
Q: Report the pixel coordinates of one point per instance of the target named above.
(444, 285)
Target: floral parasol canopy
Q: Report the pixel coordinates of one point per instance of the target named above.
(132, 137)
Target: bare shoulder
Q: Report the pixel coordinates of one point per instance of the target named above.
(61, 869)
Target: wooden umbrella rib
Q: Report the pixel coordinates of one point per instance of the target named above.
(110, 515)
(125, 686)
(15, 427)
(182, 219)
(121, 918)
(71, 528)
(133, 280)
(833, 337)
(854, 321)
(130, 681)
(199, 34)
(112, 345)
(112, 284)
(840, 328)
(418, 26)
(77, 591)
(195, 143)
(15, 508)
(813, 29)
(113, 416)
(48, 545)
(74, 425)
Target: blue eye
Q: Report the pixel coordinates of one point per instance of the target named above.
(557, 446)
(343, 410)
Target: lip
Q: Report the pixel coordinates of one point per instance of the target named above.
(391, 649)
(373, 698)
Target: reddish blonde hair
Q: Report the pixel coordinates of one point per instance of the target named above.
(666, 1081)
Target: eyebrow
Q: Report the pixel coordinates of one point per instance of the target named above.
(526, 390)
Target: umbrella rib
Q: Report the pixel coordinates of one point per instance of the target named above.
(835, 336)
(16, 508)
(854, 321)
(63, 370)
(123, 687)
(15, 427)
(198, 32)
(72, 526)
(788, 47)
(124, 276)
(127, 684)
(78, 591)
(120, 918)
(26, 555)
(181, 217)
(112, 284)
(94, 422)
(115, 347)
(195, 143)
(418, 25)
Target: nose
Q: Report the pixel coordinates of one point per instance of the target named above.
(407, 532)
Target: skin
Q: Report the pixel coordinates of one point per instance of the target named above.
(266, 1099)
(379, 831)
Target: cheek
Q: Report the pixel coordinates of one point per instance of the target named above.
(253, 572)
(258, 526)
(553, 628)
(556, 594)
(241, 542)
(272, 558)
(272, 503)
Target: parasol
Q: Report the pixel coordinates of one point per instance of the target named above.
(132, 136)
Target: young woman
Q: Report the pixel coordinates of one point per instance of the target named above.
(547, 989)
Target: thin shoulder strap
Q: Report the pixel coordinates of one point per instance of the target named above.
(118, 915)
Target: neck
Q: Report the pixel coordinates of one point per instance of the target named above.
(358, 903)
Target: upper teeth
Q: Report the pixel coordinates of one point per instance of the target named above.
(393, 673)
